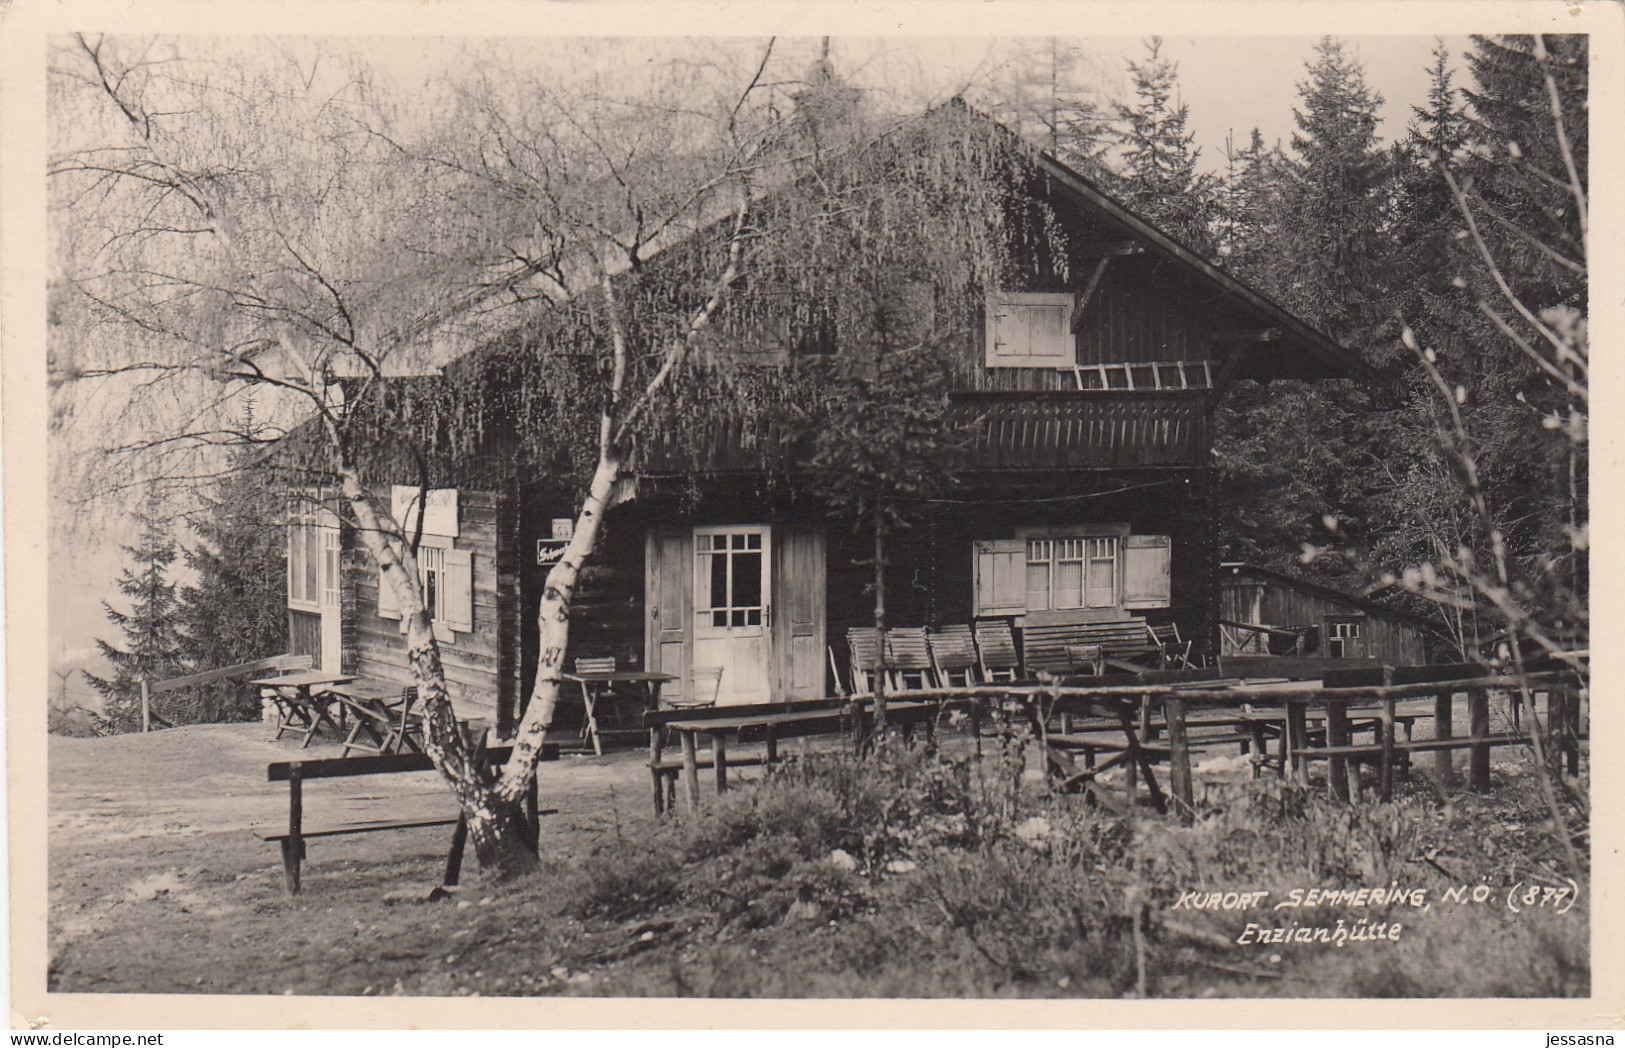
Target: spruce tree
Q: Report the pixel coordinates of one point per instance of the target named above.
(1044, 99)
(151, 641)
(1249, 207)
(1335, 208)
(237, 609)
(1293, 455)
(1159, 179)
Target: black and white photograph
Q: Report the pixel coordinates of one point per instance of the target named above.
(869, 507)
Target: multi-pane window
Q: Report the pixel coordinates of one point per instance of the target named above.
(304, 560)
(445, 573)
(1080, 572)
(1068, 573)
(731, 565)
(1344, 638)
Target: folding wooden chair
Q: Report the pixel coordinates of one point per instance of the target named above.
(1176, 653)
(953, 651)
(908, 658)
(290, 716)
(590, 694)
(996, 651)
(707, 690)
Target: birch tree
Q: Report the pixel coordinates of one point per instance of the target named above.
(250, 219)
(600, 189)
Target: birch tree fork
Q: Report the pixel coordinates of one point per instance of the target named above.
(250, 235)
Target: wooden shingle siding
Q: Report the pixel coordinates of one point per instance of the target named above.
(473, 661)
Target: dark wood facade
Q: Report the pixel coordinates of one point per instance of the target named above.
(1114, 437)
(1332, 624)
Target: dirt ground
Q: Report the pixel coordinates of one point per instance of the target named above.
(159, 884)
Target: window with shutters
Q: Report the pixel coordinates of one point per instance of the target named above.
(1055, 572)
(445, 573)
(1030, 329)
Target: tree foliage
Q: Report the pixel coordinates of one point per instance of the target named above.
(237, 608)
(1159, 178)
(150, 646)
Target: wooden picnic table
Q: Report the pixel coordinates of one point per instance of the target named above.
(383, 710)
(297, 704)
(595, 685)
(772, 727)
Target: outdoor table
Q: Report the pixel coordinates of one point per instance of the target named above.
(596, 685)
(717, 730)
(383, 710)
(294, 694)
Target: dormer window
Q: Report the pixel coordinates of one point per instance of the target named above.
(1030, 329)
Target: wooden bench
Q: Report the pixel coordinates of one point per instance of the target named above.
(295, 773)
(663, 770)
(1045, 649)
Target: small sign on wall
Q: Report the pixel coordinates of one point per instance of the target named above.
(564, 529)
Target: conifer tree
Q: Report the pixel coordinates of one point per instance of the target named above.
(151, 641)
(1044, 99)
(1249, 206)
(1159, 179)
(1335, 209)
(236, 611)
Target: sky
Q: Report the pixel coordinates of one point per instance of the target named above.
(1231, 83)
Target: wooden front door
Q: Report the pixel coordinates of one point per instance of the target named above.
(750, 599)
(733, 609)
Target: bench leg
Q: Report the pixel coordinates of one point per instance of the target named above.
(292, 853)
(691, 771)
(454, 858)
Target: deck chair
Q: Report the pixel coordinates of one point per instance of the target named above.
(953, 652)
(1176, 653)
(996, 651)
(864, 647)
(908, 658)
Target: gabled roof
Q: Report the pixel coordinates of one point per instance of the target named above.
(1234, 569)
(1295, 349)
(1302, 351)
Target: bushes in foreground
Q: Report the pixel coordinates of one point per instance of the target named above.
(911, 873)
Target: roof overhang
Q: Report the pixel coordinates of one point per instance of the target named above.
(1300, 351)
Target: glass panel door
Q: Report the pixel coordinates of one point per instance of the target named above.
(733, 608)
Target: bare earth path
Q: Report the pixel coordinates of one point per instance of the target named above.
(159, 885)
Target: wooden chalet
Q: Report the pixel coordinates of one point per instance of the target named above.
(1267, 612)
(1086, 495)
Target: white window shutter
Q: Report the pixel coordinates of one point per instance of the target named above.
(388, 606)
(1001, 577)
(459, 597)
(1147, 569)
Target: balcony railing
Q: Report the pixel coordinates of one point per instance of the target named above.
(1014, 431)
(1085, 430)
